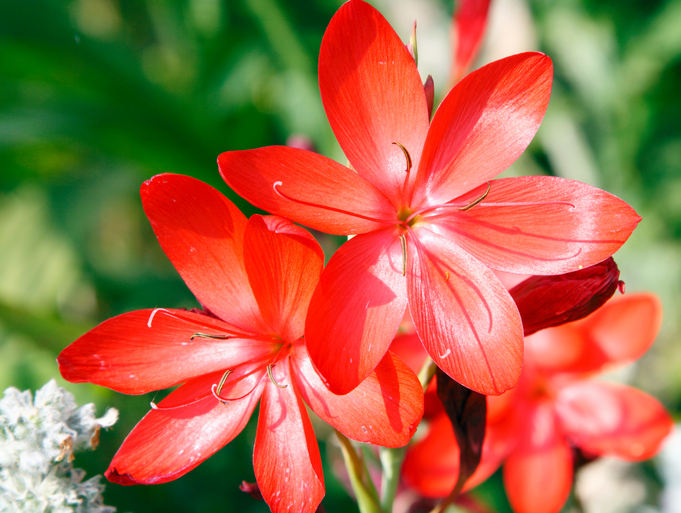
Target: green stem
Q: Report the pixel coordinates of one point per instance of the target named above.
(363, 486)
(427, 372)
(391, 461)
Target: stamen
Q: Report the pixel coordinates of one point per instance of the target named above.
(217, 396)
(269, 373)
(206, 335)
(406, 155)
(471, 205)
(153, 313)
(222, 381)
(403, 240)
(326, 207)
(446, 275)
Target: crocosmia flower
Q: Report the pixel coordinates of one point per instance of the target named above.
(555, 408)
(431, 223)
(254, 279)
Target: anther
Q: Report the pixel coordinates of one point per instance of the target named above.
(221, 383)
(406, 155)
(271, 376)
(206, 335)
(403, 240)
(477, 201)
(446, 275)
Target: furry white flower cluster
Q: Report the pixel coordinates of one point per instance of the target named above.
(37, 441)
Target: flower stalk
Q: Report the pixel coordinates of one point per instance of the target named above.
(362, 485)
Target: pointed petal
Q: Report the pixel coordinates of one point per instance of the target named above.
(483, 125)
(307, 188)
(538, 473)
(618, 333)
(356, 309)
(431, 465)
(464, 316)
(541, 225)
(288, 467)
(385, 409)
(468, 29)
(610, 419)
(202, 233)
(373, 96)
(148, 350)
(168, 443)
(283, 262)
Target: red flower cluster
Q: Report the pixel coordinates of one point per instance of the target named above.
(432, 224)
(557, 407)
(254, 279)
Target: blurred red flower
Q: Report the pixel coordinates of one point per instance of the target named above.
(557, 407)
(254, 279)
(430, 220)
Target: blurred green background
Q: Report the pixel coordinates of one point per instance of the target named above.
(97, 96)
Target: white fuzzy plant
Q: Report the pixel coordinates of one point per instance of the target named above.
(37, 440)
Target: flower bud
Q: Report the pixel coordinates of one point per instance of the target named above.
(547, 301)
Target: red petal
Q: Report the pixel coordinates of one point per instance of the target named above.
(468, 28)
(168, 443)
(283, 262)
(483, 125)
(286, 459)
(307, 188)
(202, 233)
(618, 333)
(385, 409)
(464, 316)
(611, 419)
(538, 473)
(541, 225)
(373, 96)
(356, 309)
(624, 328)
(431, 465)
(147, 350)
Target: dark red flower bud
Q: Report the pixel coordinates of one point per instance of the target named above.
(251, 489)
(467, 411)
(547, 301)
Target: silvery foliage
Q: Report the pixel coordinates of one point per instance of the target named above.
(37, 441)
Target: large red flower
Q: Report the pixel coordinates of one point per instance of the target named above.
(554, 408)
(430, 220)
(254, 279)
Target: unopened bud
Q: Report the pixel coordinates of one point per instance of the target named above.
(547, 301)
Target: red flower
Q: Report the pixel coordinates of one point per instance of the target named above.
(554, 408)
(430, 220)
(255, 279)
